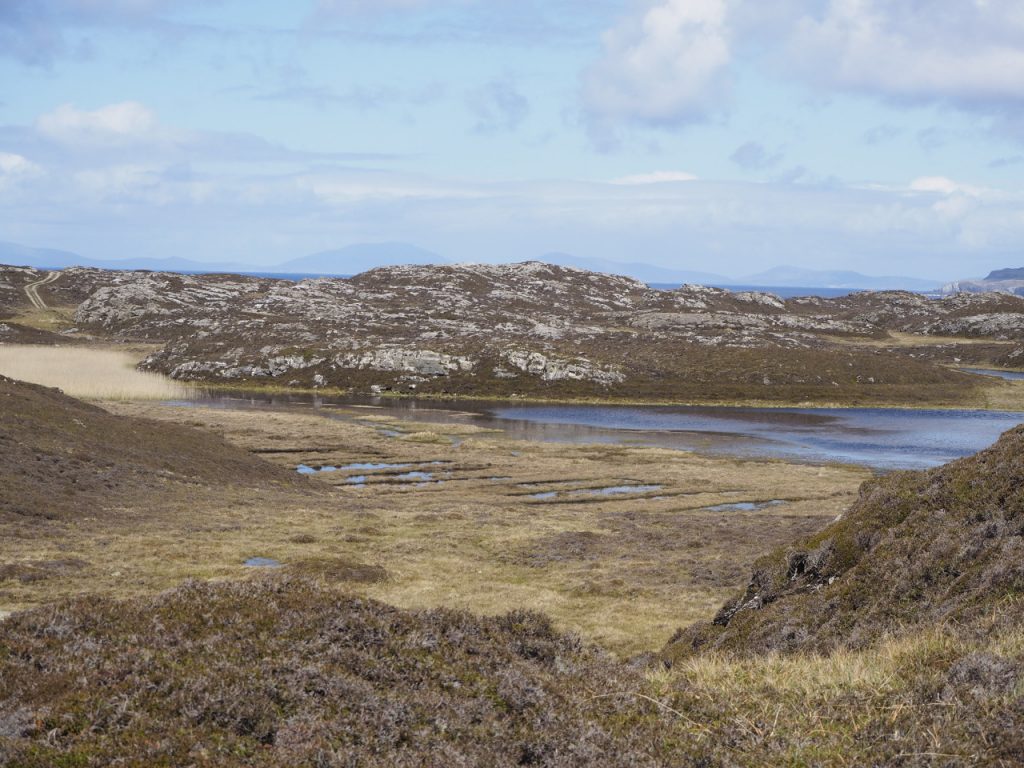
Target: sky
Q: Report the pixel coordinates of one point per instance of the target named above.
(885, 136)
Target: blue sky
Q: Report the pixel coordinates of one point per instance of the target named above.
(730, 136)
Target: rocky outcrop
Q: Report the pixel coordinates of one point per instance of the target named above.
(420, 361)
(530, 329)
(554, 369)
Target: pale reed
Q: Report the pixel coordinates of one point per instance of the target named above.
(98, 374)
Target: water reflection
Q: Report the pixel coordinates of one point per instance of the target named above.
(883, 439)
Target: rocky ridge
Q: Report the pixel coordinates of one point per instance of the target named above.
(528, 328)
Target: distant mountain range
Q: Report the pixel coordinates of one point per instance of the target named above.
(354, 259)
(357, 258)
(48, 258)
(646, 272)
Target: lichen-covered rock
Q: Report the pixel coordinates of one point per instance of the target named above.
(554, 369)
(422, 361)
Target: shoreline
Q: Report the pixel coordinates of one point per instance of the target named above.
(333, 392)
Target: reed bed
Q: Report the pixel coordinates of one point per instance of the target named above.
(96, 374)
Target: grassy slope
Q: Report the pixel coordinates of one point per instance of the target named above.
(918, 549)
(61, 457)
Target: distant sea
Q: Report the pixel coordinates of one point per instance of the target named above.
(785, 292)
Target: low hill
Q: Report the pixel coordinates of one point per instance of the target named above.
(919, 549)
(61, 458)
(649, 273)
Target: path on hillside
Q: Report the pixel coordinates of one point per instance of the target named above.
(32, 290)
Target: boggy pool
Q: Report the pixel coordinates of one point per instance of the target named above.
(881, 438)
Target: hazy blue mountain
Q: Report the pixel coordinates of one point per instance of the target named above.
(360, 257)
(49, 258)
(354, 259)
(646, 272)
(1013, 273)
(815, 278)
(25, 256)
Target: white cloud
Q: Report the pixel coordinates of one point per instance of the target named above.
(12, 165)
(672, 61)
(128, 121)
(668, 65)
(967, 52)
(656, 177)
(944, 186)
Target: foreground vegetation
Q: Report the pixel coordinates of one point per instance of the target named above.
(918, 549)
(889, 637)
(281, 672)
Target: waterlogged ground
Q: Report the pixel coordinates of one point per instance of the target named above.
(622, 544)
(881, 439)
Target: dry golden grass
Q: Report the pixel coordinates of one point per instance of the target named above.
(91, 373)
(625, 572)
(1003, 395)
(51, 319)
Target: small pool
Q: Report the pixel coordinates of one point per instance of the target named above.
(262, 562)
(743, 506)
(610, 490)
(615, 490)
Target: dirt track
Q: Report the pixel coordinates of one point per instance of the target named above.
(32, 290)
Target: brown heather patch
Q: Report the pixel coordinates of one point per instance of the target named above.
(278, 671)
(62, 459)
(918, 549)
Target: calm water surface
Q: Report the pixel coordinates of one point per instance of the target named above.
(1008, 375)
(883, 439)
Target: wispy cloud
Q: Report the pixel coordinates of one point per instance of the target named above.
(251, 205)
(37, 32)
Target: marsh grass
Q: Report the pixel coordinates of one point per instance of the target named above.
(97, 374)
(624, 573)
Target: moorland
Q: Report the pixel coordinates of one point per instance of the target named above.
(201, 586)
